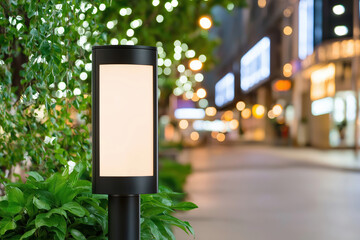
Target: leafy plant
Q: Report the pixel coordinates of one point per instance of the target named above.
(63, 207)
(173, 174)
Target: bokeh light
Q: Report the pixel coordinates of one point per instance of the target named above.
(205, 22)
(210, 111)
(246, 113)
(183, 124)
(194, 136)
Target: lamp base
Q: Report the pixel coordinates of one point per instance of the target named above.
(124, 217)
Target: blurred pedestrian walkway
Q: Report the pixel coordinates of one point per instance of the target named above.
(254, 192)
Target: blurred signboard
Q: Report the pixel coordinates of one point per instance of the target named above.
(255, 65)
(225, 90)
(323, 82)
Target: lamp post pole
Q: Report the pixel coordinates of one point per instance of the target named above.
(124, 217)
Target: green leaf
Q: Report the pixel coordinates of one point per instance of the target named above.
(45, 48)
(154, 229)
(36, 176)
(41, 204)
(15, 195)
(77, 234)
(54, 220)
(6, 225)
(185, 226)
(74, 208)
(185, 206)
(56, 211)
(28, 234)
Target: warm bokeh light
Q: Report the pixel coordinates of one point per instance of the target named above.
(262, 3)
(205, 22)
(287, 30)
(287, 12)
(246, 113)
(234, 124)
(214, 134)
(195, 65)
(220, 137)
(282, 85)
(240, 106)
(228, 115)
(210, 111)
(183, 124)
(277, 110)
(201, 93)
(258, 111)
(195, 97)
(194, 136)
(287, 70)
(271, 114)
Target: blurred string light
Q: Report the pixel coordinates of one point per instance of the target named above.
(202, 58)
(155, 3)
(246, 113)
(199, 77)
(102, 7)
(195, 98)
(262, 3)
(230, 6)
(183, 124)
(190, 53)
(159, 18)
(194, 136)
(210, 111)
(271, 114)
(287, 30)
(205, 22)
(201, 93)
(203, 103)
(258, 111)
(189, 94)
(240, 106)
(181, 68)
(287, 12)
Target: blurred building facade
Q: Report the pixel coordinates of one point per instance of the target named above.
(286, 71)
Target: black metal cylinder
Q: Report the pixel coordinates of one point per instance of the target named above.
(124, 217)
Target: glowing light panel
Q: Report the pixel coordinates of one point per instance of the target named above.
(225, 90)
(189, 113)
(322, 106)
(255, 64)
(306, 28)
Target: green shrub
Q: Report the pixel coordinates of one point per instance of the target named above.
(63, 207)
(173, 174)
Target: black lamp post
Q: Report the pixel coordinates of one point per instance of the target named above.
(125, 149)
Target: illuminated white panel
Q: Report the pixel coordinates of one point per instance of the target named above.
(350, 107)
(211, 126)
(339, 110)
(322, 106)
(255, 64)
(189, 113)
(224, 90)
(306, 28)
(126, 120)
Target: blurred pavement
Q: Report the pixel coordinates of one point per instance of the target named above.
(255, 192)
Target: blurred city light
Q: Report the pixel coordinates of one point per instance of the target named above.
(194, 136)
(277, 110)
(323, 82)
(287, 30)
(282, 85)
(271, 114)
(287, 70)
(262, 3)
(195, 65)
(201, 93)
(220, 137)
(246, 113)
(234, 124)
(338, 9)
(183, 124)
(306, 28)
(322, 106)
(210, 111)
(205, 22)
(341, 30)
(189, 113)
(224, 90)
(195, 98)
(228, 115)
(258, 111)
(240, 106)
(211, 126)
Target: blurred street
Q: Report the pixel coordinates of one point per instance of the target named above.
(257, 192)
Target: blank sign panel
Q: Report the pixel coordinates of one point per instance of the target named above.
(126, 132)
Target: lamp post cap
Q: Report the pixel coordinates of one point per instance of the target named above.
(124, 47)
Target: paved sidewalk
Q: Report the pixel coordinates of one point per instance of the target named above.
(255, 192)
